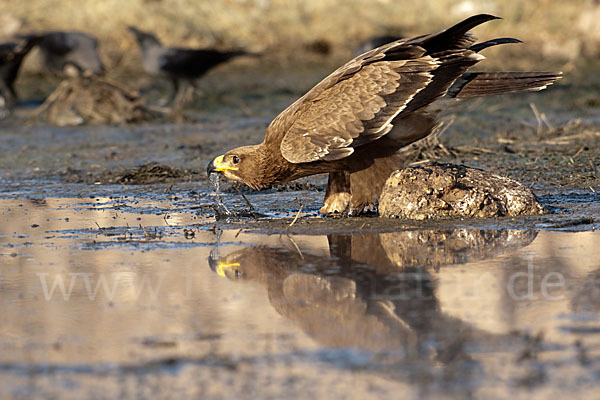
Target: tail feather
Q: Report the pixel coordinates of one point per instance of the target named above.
(476, 84)
(494, 42)
(454, 37)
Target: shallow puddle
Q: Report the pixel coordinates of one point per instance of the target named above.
(131, 297)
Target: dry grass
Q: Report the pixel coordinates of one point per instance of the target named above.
(549, 27)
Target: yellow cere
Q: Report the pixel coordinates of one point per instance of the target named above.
(221, 167)
(222, 266)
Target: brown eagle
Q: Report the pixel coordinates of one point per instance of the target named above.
(353, 122)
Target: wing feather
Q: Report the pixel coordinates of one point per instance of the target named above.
(356, 110)
(358, 103)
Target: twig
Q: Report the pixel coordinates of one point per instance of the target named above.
(578, 152)
(538, 117)
(567, 139)
(444, 126)
(546, 122)
(420, 162)
(296, 217)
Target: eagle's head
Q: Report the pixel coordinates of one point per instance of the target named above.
(246, 164)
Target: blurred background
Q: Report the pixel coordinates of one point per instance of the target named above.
(562, 32)
(298, 43)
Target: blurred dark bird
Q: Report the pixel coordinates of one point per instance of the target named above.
(181, 65)
(319, 46)
(352, 123)
(70, 54)
(11, 58)
(373, 43)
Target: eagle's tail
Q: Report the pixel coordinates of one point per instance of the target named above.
(453, 38)
(476, 84)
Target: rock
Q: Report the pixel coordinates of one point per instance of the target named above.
(446, 190)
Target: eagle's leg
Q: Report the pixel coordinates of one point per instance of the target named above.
(366, 185)
(337, 196)
(365, 195)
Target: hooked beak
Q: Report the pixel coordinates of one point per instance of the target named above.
(217, 165)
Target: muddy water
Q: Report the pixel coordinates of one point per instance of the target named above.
(148, 295)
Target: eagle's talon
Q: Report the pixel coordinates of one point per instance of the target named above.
(336, 204)
(365, 210)
(334, 215)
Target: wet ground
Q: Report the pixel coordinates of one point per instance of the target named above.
(117, 280)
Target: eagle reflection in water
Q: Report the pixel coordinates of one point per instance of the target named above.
(376, 292)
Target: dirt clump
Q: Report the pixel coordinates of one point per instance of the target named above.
(447, 190)
(152, 173)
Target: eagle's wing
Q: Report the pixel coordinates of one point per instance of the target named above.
(358, 103)
(355, 111)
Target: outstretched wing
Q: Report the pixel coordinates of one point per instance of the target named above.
(359, 102)
(355, 111)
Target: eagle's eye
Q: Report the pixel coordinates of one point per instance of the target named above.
(235, 159)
